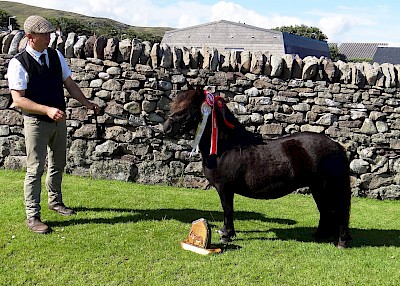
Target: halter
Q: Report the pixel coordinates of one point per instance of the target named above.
(210, 104)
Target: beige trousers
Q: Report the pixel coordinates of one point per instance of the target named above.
(43, 139)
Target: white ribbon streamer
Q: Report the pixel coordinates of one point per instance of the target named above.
(205, 111)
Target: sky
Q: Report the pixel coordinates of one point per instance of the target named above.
(341, 21)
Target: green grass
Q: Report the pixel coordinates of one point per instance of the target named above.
(130, 234)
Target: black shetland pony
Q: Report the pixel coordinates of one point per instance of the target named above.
(245, 164)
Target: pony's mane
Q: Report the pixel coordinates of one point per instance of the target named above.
(183, 100)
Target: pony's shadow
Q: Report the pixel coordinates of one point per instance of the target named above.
(183, 215)
(361, 237)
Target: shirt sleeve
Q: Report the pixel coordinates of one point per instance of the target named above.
(66, 71)
(16, 75)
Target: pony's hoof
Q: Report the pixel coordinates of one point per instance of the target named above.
(342, 244)
(225, 240)
(222, 232)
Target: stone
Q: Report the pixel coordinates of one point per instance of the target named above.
(111, 49)
(88, 48)
(257, 63)
(69, 45)
(136, 52)
(271, 129)
(133, 107)
(297, 69)
(79, 47)
(99, 46)
(155, 55)
(245, 57)
(10, 117)
(370, 73)
(310, 67)
(359, 166)
(87, 131)
(60, 45)
(368, 127)
(344, 71)
(185, 57)
(329, 70)
(146, 51)
(166, 56)
(7, 39)
(389, 74)
(205, 58)
(121, 170)
(214, 62)
(124, 51)
(194, 58)
(287, 67)
(112, 85)
(276, 66)
(176, 57)
(106, 149)
(13, 50)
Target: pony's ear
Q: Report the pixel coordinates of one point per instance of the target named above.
(199, 88)
(225, 112)
(190, 86)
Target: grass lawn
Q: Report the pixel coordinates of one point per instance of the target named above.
(130, 234)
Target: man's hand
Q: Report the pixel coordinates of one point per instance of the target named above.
(56, 114)
(94, 107)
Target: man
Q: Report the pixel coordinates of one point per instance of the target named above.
(37, 77)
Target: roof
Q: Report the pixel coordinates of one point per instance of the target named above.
(227, 35)
(304, 46)
(238, 24)
(352, 51)
(387, 55)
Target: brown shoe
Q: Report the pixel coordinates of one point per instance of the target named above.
(37, 226)
(62, 210)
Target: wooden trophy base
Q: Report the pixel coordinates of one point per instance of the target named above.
(199, 239)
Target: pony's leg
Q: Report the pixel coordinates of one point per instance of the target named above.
(321, 198)
(228, 230)
(333, 202)
(343, 212)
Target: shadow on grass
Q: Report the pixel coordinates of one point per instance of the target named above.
(361, 237)
(182, 215)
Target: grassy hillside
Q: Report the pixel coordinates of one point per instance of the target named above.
(22, 11)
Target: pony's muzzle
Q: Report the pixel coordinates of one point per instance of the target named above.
(170, 127)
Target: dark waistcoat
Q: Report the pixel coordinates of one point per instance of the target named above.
(45, 84)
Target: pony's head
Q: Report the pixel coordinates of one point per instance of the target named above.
(185, 112)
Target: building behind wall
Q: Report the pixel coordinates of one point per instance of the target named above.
(226, 35)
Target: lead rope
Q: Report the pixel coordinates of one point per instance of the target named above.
(98, 131)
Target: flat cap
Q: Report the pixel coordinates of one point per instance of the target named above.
(37, 24)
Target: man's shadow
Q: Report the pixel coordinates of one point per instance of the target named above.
(361, 237)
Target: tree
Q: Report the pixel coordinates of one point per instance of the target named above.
(333, 49)
(68, 25)
(304, 31)
(5, 20)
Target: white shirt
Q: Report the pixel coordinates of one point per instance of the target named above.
(18, 77)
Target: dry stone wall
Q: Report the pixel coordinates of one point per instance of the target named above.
(355, 104)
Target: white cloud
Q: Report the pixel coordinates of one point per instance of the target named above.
(335, 26)
(186, 14)
(233, 12)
